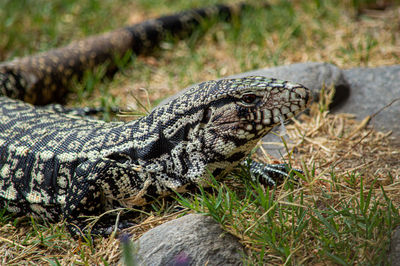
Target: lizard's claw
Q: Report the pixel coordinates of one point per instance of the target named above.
(270, 174)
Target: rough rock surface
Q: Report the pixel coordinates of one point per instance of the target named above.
(190, 240)
(372, 89)
(394, 253)
(360, 91)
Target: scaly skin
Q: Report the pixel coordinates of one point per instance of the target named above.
(56, 166)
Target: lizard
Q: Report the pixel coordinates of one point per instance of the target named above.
(53, 165)
(57, 166)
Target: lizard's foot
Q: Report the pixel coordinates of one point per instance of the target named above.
(270, 174)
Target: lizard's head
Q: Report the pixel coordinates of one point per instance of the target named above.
(217, 123)
(248, 108)
(228, 117)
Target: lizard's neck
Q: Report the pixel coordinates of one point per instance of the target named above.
(181, 145)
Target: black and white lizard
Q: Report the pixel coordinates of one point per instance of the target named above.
(56, 166)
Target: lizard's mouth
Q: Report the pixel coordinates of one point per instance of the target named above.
(274, 113)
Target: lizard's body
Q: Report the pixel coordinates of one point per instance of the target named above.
(57, 166)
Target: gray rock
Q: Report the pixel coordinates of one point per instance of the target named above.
(191, 240)
(394, 253)
(372, 89)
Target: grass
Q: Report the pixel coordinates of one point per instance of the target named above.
(345, 207)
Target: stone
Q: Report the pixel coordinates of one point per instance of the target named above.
(394, 252)
(190, 240)
(371, 90)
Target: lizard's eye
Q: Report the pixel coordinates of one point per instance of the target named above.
(249, 98)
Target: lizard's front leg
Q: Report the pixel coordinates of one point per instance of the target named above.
(97, 186)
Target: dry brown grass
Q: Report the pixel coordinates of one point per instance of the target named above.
(340, 143)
